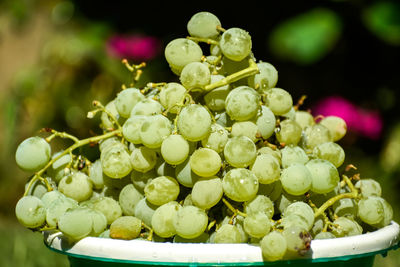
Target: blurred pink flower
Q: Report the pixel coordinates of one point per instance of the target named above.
(363, 122)
(136, 47)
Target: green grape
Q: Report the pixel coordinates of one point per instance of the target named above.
(345, 207)
(96, 175)
(195, 75)
(279, 101)
(203, 25)
(207, 192)
(175, 149)
(116, 183)
(285, 199)
(105, 234)
(99, 222)
(240, 184)
(265, 79)
(315, 135)
(126, 227)
(266, 122)
(57, 169)
(185, 175)
(267, 150)
(143, 159)
(51, 196)
(245, 128)
(180, 52)
(297, 239)
(115, 162)
(227, 233)
(144, 210)
(57, 208)
(76, 223)
(304, 119)
(215, 99)
(303, 211)
(33, 154)
(343, 226)
(147, 107)
(77, 186)
(325, 176)
(242, 103)
(205, 162)
(126, 100)
(154, 130)
(273, 246)
(291, 114)
(266, 168)
(289, 132)
(215, 50)
(324, 235)
(161, 190)
(128, 198)
(171, 96)
(194, 122)
(235, 44)
(106, 122)
(257, 225)
(162, 219)
(38, 188)
(330, 151)
(223, 119)
(140, 179)
(105, 144)
(273, 190)
(369, 187)
(30, 211)
(131, 128)
(336, 126)
(109, 207)
(190, 222)
(216, 139)
(370, 210)
(240, 151)
(293, 154)
(387, 213)
(296, 179)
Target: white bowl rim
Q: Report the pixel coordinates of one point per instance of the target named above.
(146, 252)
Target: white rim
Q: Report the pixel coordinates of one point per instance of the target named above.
(139, 250)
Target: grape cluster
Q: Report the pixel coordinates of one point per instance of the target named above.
(222, 156)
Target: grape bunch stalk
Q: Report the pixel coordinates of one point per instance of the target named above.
(221, 155)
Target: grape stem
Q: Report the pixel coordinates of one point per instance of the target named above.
(250, 70)
(331, 201)
(109, 114)
(204, 40)
(62, 135)
(79, 143)
(230, 207)
(151, 231)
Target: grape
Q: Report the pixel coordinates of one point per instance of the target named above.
(116, 183)
(216, 139)
(51, 196)
(140, 179)
(109, 207)
(266, 79)
(330, 151)
(99, 222)
(296, 179)
(162, 220)
(128, 198)
(185, 175)
(387, 213)
(106, 122)
(343, 226)
(303, 211)
(293, 154)
(172, 95)
(240, 184)
(279, 101)
(291, 114)
(126, 100)
(235, 44)
(30, 211)
(345, 207)
(336, 126)
(273, 246)
(324, 235)
(161, 190)
(125, 227)
(175, 149)
(154, 130)
(57, 208)
(245, 128)
(215, 99)
(57, 169)
(207, 192)
(215, 50)
(266, 122)
(266, 168)
(289, 132)
(273, 190)
(315, 135)
(180, 52)
(190, 222)
(105, 144)
(195, 75)
(257, 225)
(194, 122)
(33, 154)
(205, 162)
(146, 107)
(324, 175)
(240, 151)
(144, 210)
(227, 233)
(203, 25)
(76, 186)
(143, 159)
(115, 162)
(297, 239)
(369, 187)
(304, 119)
(242, 103)
(267, 150)
(370, 210)
(76, 223)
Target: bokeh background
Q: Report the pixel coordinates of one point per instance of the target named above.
(57, 56)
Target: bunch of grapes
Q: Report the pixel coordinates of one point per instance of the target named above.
(222, 156)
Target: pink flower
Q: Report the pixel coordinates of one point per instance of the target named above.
(363, 122)
(136, 47)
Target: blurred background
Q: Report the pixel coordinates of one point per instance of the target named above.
(58, 56)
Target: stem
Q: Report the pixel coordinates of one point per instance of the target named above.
(204, 40)
(62, 135)
(250, 70)
(109, 114)
(151, 231)
(235, 211)
(332, 200)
